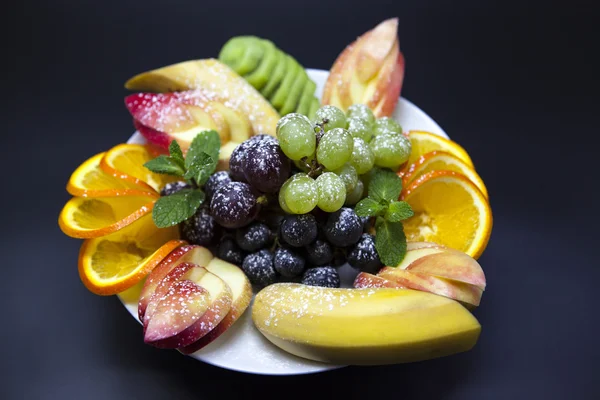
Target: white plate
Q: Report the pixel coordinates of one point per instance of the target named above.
(242, 347)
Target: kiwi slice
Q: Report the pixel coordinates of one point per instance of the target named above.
(292, 70)
(293, 98)
(277, 76)
(306, 97)
(261, 75)
(242, 54)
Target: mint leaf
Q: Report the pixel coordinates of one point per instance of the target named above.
(368, 207)
(390, 242)
(398, 211)
(385, 185)
(200, 169)
(176, 153)
(205, 142)
(176, 208)
(165, 165)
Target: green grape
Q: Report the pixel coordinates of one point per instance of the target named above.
(335, 148)
(282, 191)
(332, 192)
(361, 111)
(356, 194)
(362, 157)
(390, 150)
(386, 125)
(359, 128)
(296, 136)
(300, 195)
(348, 175)
(334, 116)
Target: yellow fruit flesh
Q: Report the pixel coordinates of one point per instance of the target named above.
(363, 326)
(425, 142)
(448, 211)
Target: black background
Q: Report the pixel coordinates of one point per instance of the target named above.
(515, 82)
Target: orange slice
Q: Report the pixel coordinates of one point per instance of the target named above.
(126, 162)
(449, 210)
(89, 180)
(425, 142)
(84, 217)
(114, 263)
(439, 160)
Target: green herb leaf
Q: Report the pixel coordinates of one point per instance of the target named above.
(201, 168)
(176, 208)
(398, 211)
(368, 207)
(385, 185)
(176, 153)
(165, 165)
(205, 142)
(390, 242)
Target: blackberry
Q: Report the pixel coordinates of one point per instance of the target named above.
(215, 181)
(288, 262)
(322, 276)
(319, 252)
(174, 187)
(299, 230)
(229, 251)
(253, 237)
(258, 267)
(199, 228)
(363, 255)
(343, 227)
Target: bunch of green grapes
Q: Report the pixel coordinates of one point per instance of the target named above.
(335, 151)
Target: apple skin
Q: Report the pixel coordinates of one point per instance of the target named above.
(194, 254)
(459, 291)
(366, 280)
(242, 295)
(369, 71)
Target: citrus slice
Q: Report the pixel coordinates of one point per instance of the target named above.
(89, 180)
(439, 160)
(449, 210)
(84, 217)
(114, 263)
(126, 161)
(425, 142)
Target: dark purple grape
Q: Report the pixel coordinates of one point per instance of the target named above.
(234, 205)
(363, 255)
(265, 166)
(236, 161)
(254, 236)
(322, 276)
(174, 187)
(199, 229)
(215, 181)
(343, 227)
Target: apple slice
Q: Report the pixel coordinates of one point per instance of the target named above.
(366, 280)
(460, 291)
(197, 255)
(368, 71)
(198, 323)
(241, 290)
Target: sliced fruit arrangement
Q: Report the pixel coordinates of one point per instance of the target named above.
(432, 268)
(369, 71)
(277, 75)
(363, 326)
(215, 81)
(226, 196)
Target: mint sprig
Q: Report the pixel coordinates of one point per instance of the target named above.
(196, 167)
(382, 203)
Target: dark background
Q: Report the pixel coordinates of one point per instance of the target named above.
(515, 82)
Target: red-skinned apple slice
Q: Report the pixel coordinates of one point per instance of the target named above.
(191, 254)
(366, 280)
(219, 306)
(241, 290)
(368, 71)
(182, 306)
(460, 291)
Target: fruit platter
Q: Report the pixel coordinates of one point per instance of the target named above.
(273, 219)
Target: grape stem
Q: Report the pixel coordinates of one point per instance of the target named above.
(314, 168)
(262, 200)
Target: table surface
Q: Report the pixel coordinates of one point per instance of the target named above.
(514, 82)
